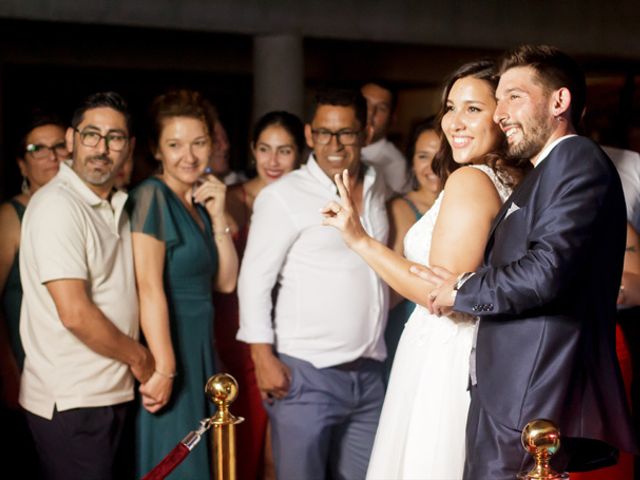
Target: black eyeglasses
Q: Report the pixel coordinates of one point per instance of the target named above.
(344, 137)
(40, 151)
(113, 141)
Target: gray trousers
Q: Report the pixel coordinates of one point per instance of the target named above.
(325, 426)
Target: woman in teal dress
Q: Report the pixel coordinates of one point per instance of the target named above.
(182, 250)
(40, 150)
(406, 210)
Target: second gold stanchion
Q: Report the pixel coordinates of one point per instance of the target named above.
(222, 390)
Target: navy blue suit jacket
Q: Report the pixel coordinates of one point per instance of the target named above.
(546, 296)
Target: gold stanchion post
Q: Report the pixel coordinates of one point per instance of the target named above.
(541, 439)
(222, 389)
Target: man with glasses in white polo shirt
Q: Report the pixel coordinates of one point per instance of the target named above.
(79, 319)
(319, 360)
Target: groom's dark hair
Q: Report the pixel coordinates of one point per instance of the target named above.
(555, 69)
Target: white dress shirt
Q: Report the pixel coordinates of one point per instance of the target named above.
(547, 150)
(627, 163)
(387, 159)
(331, 306)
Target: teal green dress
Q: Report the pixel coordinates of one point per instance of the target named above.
(398, 315)
(12, 298)
(191, 262)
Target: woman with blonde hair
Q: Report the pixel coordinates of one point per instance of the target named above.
(182, 250)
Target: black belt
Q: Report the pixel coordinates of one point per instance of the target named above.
(354, 365)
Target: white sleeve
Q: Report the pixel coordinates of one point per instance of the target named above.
(395, 169)
(271, 235)
(58, 238)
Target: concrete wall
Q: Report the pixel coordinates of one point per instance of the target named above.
(55, 51)
(588, 27)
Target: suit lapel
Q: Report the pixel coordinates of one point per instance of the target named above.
(524, 186)
(501, 213)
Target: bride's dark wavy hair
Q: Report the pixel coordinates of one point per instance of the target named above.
(510, 171)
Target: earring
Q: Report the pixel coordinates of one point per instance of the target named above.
(25, 186)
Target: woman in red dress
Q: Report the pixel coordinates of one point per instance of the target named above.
(277, 143)
(629, 296)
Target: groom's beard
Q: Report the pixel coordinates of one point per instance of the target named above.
(535, 134)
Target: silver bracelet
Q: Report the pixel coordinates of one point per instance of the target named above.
(170, 376)
(222, 234)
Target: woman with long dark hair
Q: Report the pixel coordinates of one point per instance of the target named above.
(422, 427)
(277, 144)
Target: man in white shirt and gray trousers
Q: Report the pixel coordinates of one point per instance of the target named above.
(318, 357)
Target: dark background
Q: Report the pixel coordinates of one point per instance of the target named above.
(54, 53)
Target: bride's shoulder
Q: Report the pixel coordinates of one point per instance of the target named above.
(469, 196)
(471, 177)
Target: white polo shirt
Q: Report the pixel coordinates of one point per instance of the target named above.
(69, 232)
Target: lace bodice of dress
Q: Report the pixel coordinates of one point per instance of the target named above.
(417, 241)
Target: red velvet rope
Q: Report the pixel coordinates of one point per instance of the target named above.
(168, 463)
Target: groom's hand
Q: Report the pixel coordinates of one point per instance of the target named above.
(442, 298)
(435, 277)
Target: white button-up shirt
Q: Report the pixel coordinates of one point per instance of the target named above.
(387, 159)
(627, 163)
(331, 306)
(547, 150)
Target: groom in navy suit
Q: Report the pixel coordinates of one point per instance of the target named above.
(546, 292)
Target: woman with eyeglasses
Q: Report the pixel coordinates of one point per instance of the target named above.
(182, 250)
(39, 153)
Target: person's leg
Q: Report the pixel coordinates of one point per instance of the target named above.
(269, 472)
(354, 438)
(302, 423)
(236, 359)
(493, 452)
(79, 443)
(124, 464)
(629, 320)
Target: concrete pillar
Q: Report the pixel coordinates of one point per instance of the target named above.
(5, 156)
(278, 74)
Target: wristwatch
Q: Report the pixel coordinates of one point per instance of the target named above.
(462, 278)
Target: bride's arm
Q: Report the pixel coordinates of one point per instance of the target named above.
(392, 267)
(468, 208)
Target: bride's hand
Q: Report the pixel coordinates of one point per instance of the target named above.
(344, 215)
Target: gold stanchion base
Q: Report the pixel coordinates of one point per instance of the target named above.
(542, 471)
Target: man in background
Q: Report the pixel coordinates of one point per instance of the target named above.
(381, 153)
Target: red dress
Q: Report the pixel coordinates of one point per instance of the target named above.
(623, 470)
(236, 360)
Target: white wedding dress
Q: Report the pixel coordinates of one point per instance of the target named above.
(421, 434)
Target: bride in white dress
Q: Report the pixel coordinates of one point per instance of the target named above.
(421, 434)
